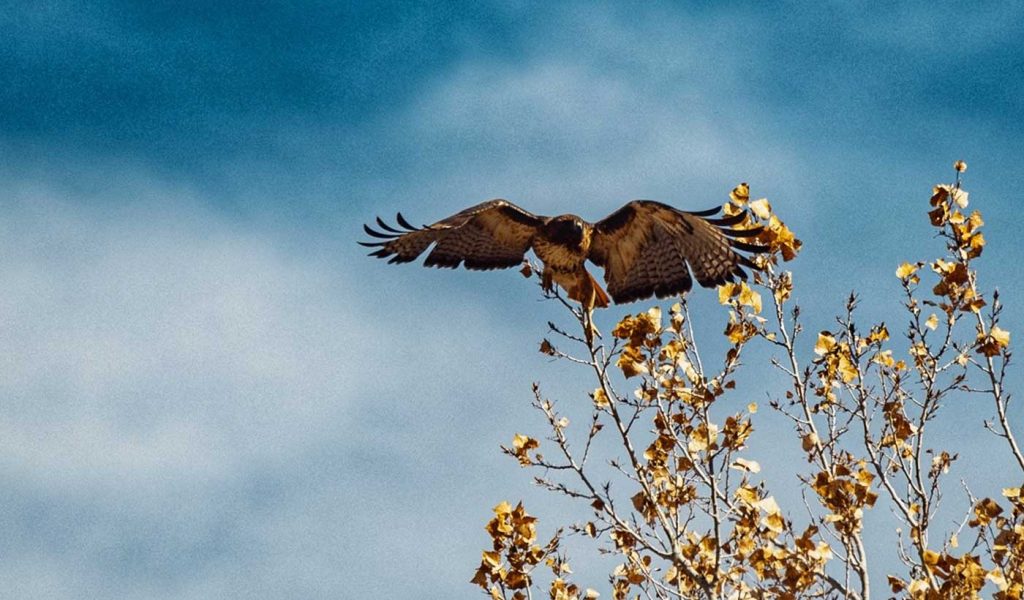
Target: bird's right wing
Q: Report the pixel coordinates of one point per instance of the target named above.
(645, 248)
(492, 235)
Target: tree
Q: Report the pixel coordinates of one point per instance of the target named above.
(671, 492)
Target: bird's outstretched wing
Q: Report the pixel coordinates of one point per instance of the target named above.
(645, 248)
(491, 235)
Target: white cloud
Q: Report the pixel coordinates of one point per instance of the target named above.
(203, 405)
(568, 131)
(145, 337)
(187, 397)
(155, 356)
(597, 110)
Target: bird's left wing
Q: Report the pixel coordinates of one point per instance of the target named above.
(492, 235)
(645, 248)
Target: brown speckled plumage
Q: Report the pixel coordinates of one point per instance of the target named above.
(646, 248)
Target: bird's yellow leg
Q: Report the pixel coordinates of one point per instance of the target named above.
(589, 329)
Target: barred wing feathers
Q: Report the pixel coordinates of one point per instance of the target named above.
(645, 248)
(492, 235)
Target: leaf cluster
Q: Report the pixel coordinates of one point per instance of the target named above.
(664, 475)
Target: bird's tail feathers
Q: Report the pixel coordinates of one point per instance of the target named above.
(601, 299)
(589, 292)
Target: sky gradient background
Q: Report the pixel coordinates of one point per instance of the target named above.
(208, 391)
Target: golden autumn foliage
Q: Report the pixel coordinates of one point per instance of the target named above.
(684, 509)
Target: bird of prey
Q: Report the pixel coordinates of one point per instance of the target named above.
(646, 248)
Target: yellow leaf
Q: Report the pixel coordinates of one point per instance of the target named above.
(932, 322)
(773, 521)
(523, 444)
(761, 208)
(740, 194)
(747, 495)
(780, 238)
(600, 398)
(985, 510)
(847, 370)
(655, 316)
(784, 288)
(752, 407)
(703, 438)
(906, 270)
(976, 244)
(824, 344)
(480, 577)
(503, 509)
(878, 334)
(996, 576)
(631, 361)
(959, 197)
(960, 166)
(896, 584)
(822, 552)
(492, 559)
(742, 464)
(749, 297)
(725, 292)
(993, 343)
(884, 358)
(739, 332)
(976, 305)
(974, 221)
(769, 505)
(731, 209)
(672, 574)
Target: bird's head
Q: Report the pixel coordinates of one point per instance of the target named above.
(567, 230)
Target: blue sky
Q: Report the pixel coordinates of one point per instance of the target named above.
(209, 392)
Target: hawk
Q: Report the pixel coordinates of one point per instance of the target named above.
(646, 248)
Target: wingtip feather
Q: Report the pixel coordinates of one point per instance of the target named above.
(729, 221)
(374, 233)
(387, 227)
(743, 233)
(710, 212)
(747, 247)
(401, 221)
